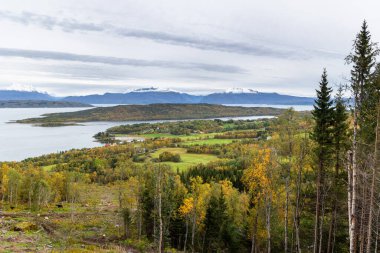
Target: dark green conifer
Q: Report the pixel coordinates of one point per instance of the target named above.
(216, 217)
(363, 59)
(323, 115)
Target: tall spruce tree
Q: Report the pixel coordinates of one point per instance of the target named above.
(363, 60)
(340, 144)
(323, 115)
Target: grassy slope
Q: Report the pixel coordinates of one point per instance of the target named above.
(89, 226)
(154, 112)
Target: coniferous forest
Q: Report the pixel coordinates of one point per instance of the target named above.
(298, 182)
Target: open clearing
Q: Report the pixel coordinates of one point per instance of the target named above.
(183, 136)
(187, 159)
(208, 142)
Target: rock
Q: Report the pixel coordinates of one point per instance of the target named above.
(25, 226)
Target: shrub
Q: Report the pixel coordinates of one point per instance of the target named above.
(169, 157)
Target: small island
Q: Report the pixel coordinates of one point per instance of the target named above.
(153, 112)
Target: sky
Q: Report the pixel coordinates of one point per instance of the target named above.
(82, 47)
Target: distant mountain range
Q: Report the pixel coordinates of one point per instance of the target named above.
(24, 95)
(39, 104)
(156, 96)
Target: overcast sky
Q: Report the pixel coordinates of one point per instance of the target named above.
(77, 47)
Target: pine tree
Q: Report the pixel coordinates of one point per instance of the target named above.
(323, 115)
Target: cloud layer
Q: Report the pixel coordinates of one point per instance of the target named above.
(92, 46)
(73, 25)
(60, 56)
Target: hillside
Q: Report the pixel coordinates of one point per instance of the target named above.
(154, 112)
(255, 98)
(39, 104)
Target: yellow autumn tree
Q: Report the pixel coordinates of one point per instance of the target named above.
(237, 203)
(194, 207)
(257, 180)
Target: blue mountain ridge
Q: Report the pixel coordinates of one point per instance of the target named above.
(152, 96)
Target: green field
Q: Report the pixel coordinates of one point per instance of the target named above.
(183, 137)
(49, 167)
(208, 142)
(187, 159)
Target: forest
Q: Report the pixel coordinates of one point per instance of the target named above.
(299, 182)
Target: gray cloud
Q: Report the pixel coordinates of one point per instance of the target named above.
(72, 25)
(48, 22)
(60, 56)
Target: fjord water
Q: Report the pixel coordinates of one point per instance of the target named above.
(20, 141)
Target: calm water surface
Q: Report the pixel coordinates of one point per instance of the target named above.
(20, 141)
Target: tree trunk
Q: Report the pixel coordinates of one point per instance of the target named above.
(297, 212)
(354, 193)
(375, 165)
(318, 208)
(268, 225)
(321, 222)
(335, 184)
(286, 215)
(332, 229)
(30, 198)
(253, 245)
(186, 234)
(377, 229)
(160, 245)
(194, 221)
(362, 218)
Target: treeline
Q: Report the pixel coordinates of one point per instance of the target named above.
(175, 128)
(182, 128)
(242, 135)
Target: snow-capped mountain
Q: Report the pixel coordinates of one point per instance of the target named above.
(240, 90)
(152, 89)
(138, 96)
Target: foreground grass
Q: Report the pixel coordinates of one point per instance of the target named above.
(93, 225)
